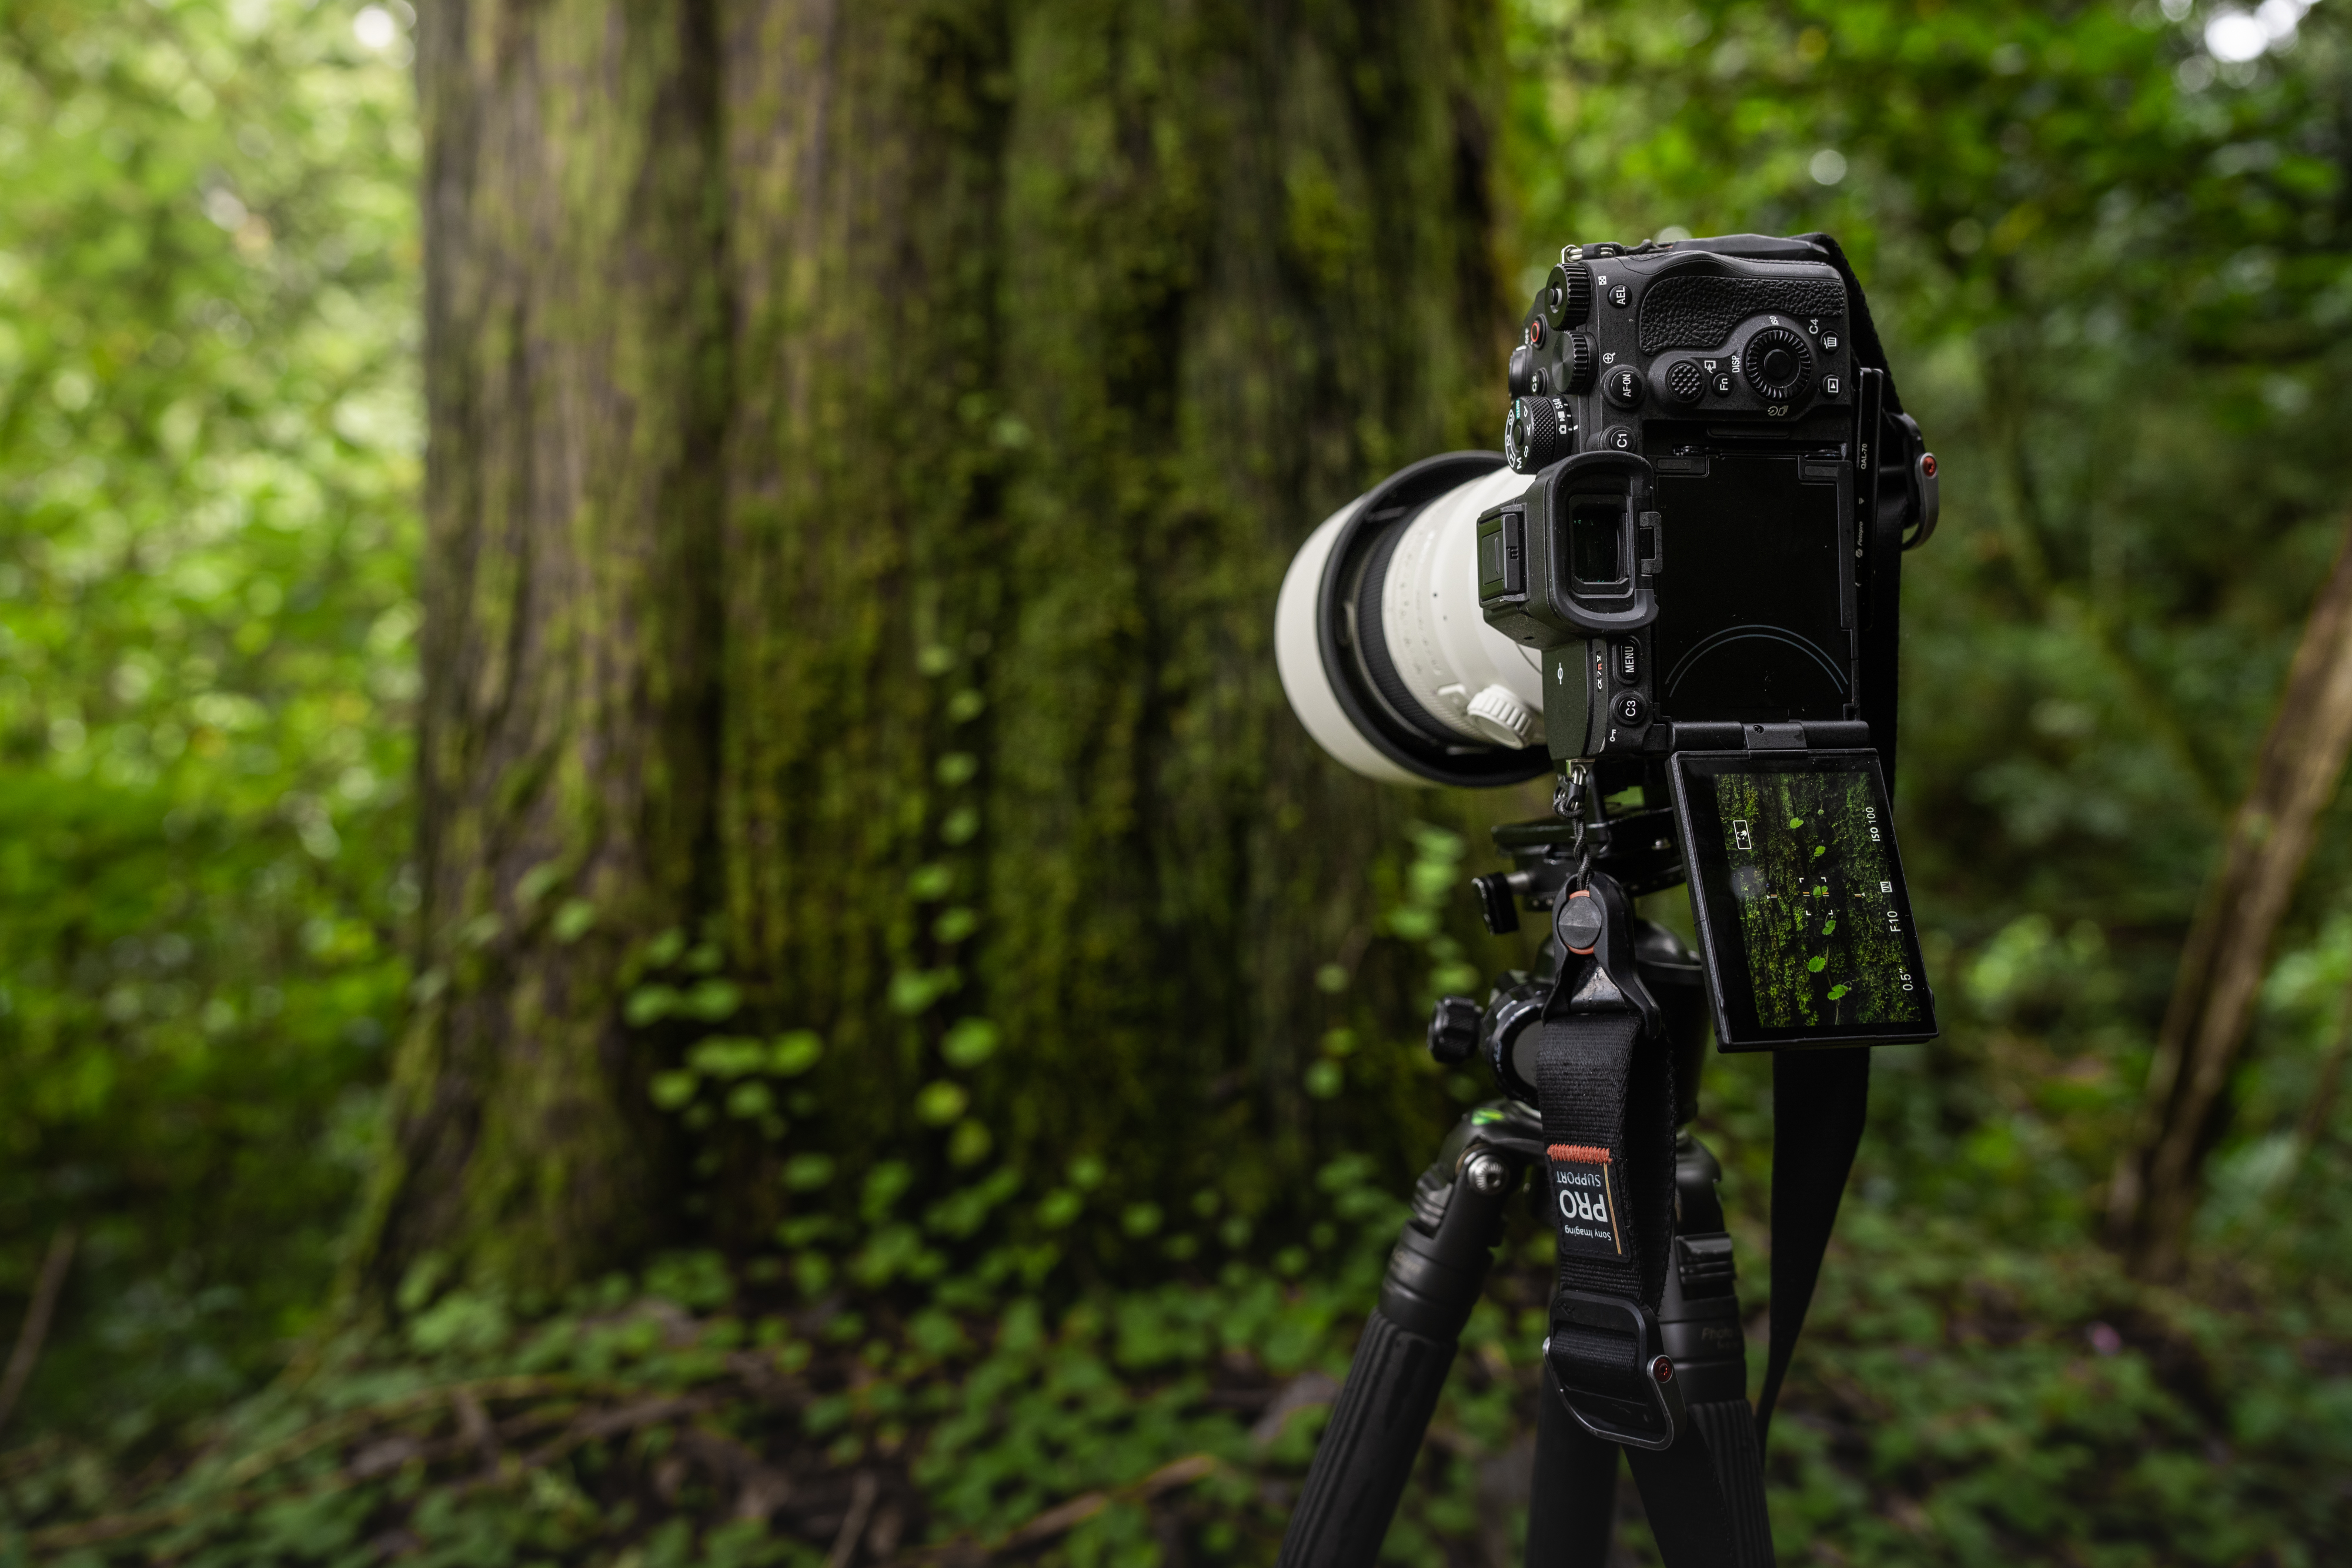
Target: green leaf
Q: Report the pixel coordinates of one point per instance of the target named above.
(968, 1144)
(968, 1042)
(808, 1171)
(713, 1000)
(794, 1052)
(573, 918)
(650, 1004)
(941, 1102)
(727, 1056)
(750, 1101)
(674, 1089)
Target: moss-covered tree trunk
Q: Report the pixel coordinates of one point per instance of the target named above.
(865, 442)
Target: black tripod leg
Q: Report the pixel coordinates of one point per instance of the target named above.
(1727, 1426)
(1367, 1453)
(1573, 1506)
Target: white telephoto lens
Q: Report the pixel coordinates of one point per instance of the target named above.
(1384, 652)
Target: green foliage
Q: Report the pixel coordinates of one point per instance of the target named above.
(2114, 278)
(208, 451)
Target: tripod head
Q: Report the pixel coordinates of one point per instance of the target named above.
(1639, 853)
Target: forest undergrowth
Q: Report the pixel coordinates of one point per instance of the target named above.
(2115, 272)
(1956, 1402)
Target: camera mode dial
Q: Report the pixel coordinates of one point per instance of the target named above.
(1567, 299)
(1777, 364)
(1538, 433)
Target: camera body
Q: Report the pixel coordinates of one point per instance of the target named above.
(1719, 404)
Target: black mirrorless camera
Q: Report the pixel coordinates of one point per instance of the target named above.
(1681, 573)
(1718, 545)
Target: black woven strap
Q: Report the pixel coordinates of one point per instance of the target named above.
(1608, 1124)
(1820, 1099)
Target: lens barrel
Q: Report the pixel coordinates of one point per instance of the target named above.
(1383, 650)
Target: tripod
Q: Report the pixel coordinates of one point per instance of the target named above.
(1677, 1404)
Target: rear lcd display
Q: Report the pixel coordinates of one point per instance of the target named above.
(1798, 893)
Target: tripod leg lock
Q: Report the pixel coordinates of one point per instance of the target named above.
(1609, 1355)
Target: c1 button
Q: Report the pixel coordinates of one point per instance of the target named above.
(1630, 708)
(1617, 438)
(1625, 386)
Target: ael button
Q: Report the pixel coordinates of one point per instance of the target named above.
(1625, 386)
(1630, 708)
(1620, 295)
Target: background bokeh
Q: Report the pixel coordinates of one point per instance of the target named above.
(2110, 247)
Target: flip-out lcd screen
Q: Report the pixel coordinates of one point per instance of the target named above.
(1798, 893)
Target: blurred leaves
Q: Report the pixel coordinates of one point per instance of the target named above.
(2113, 272)
(208, 452)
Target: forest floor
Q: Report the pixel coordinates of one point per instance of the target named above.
(1954, 1403)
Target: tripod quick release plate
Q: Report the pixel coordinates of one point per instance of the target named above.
(1610, 1358)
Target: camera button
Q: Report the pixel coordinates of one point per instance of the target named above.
(1617, 438)
(1626, 657)
(1620, 295)
(1721, 385)
(1630, 708)
(1625, 386)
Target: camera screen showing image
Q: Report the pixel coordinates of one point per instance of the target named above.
(1797, 891)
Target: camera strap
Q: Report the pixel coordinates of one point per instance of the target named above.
(1820, 1100)
(1606, 1091)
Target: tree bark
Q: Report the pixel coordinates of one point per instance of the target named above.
(575, 393)
(2155, 1192)
(867, 440)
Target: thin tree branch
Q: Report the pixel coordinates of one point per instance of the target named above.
(50, 1284)
(2221, 968)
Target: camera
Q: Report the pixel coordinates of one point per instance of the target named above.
(1696, 526)
(1681, 573)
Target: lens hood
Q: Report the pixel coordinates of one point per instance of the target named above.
(1381, 646)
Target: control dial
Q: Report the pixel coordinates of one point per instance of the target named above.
(1578, 362)
(1777, 364)
(1538, 433)
(1567, 299)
